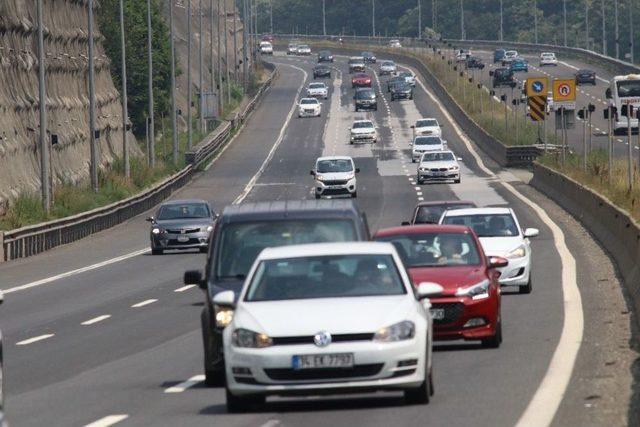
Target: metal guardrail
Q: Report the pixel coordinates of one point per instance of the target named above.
(34, 239)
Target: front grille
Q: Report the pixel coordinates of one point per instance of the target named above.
(439, 169)
(336, 182)
(286, 374)
(308, 339)
(452, 312)
(308, 111)
(186, 231)
(175, 242)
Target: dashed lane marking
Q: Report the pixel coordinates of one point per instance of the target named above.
(95, 320)
(108, 421)
(35, 339)
(179, 388)
(144, 303)
(184, 288)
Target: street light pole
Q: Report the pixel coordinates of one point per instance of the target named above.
(501, 22)
(189, 84)
(220, 89)
(152, 139)
(44, 144)
(462, 34)
(373, 18)
(271, 17)
(631, 35)
(604, 28)
(434, 14)
(419, 19)
(174, 119)
(564, 20)
(586, 24)
(200, 79)
(125, 113)
(324, 20)
(535, 21)
(92, 106)
(616, 28)
(235, 42)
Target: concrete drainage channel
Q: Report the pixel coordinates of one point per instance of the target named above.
(34, 239)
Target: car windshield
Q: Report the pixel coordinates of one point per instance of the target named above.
(308, 101)
(367, 54)
(435, 249)
(303, 46)
(388, 64)
(241, 243)
(428, 140)
(184, 211)
(511, 53)
(548, 55)
(365, 94)
(324, 53)
(334, 166)
(431, 214)
(316, 86)
(355, 60)
(405, 74)
(426, 123)
(487, 225)
(330, 276)
(437, 157)
(628, 88)
(501, 72)
(363, 125)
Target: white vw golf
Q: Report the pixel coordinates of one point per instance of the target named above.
(328, 318)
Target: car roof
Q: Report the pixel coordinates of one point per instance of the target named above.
(423, 228)
(183, 201)
(427, 118)
(444, 202)
(356, 57)
(439, 151)
(327, 249)
(363, 121)
(289, 209)
(320, 159)
(308, 98)
(478, 211)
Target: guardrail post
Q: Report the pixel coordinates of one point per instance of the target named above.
(1, 246)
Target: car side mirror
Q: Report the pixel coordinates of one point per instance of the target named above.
(411, 143)
(1, 296)
(357, 170)
(405, 223)
(312, 173)
(194, 277)
(497, 262)
(607, 93)
(225, 299)
(413, 127)
(491, 73)
(531, 232)
(150, 219)
(429, 289)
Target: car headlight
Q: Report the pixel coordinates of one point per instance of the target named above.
(454, 168)
(424, 169)
(158, 230)
(248, 339)
(224, 316)
(518, 252)
(208, 229)
(320, 178)
(478, 291)
(404, 330)
(350, 176)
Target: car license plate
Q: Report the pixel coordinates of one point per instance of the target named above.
(437, 313)
(332, 360)
(183, 239)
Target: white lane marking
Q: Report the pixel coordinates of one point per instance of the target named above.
(76, 272)
(35, 339)
(95, 320)
(143, 303)
(184, 288)
(109, 420)
(271, 423)
(256, 176)
(547, 398)
(179, 388)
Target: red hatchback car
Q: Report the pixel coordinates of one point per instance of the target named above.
(361, 80)
(452, 256)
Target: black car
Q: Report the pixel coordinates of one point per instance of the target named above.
(430, 212)
(394, 81)
(325, 56)
(365, 99)
(181, 224)
(401, 91)
(585, 77)
(321, 71)
(369, 57)
(474, 62)
(498, 55)
(503, 77)
(241, 233)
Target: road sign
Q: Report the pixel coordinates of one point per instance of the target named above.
(564, 90)
(537, 108)
(537, 86)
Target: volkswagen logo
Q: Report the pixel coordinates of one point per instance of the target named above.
(322, 339)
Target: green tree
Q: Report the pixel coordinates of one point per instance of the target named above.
(135, 17)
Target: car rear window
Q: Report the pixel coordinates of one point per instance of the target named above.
(435, 249)
(431, 214)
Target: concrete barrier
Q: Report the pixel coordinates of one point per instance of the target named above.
(613, 227)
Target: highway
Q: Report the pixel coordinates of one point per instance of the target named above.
(101, 331)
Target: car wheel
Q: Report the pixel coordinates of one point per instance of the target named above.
(237, 404)
(411, 97)
(457, 181)
(318, 196)
(526, 289)
(496, 340)
(419, 181)
(354, 195)
(420, 395)
(413, 160)
(156, 251)
(204, 250)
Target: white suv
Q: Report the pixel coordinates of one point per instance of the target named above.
(427, 127)
(363, 130)
(335, 175)
(266, 48)
(309, 107)
(318, 90)
(548, 58)
(501, 235)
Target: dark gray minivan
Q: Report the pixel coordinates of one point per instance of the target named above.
(241, 233)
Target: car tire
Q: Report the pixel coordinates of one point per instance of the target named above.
(526, 289)
(419, 181)
(420, 395)
(156, 251)
(204, 250)
(456, 181)
(236, 404)
(318, 196)
(413, 160)
(496, 340)
(411, 97)
(354, 195)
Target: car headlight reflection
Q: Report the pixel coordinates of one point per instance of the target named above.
(478, 291)
(224, 316)
(404, 330)
(158, 230)
(519, 252)
(248, 339)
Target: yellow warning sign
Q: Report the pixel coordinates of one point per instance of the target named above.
(537, 108)
(564, 90)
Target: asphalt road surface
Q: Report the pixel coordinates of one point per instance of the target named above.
(101, 331)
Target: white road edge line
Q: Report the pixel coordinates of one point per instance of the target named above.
(35, 339)
(95, 320)
(184, 288)
(109, 420)
(256, 176)
(179, 388)
(75, 272)
(271, 423)
(143, 303)
(545, 402)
